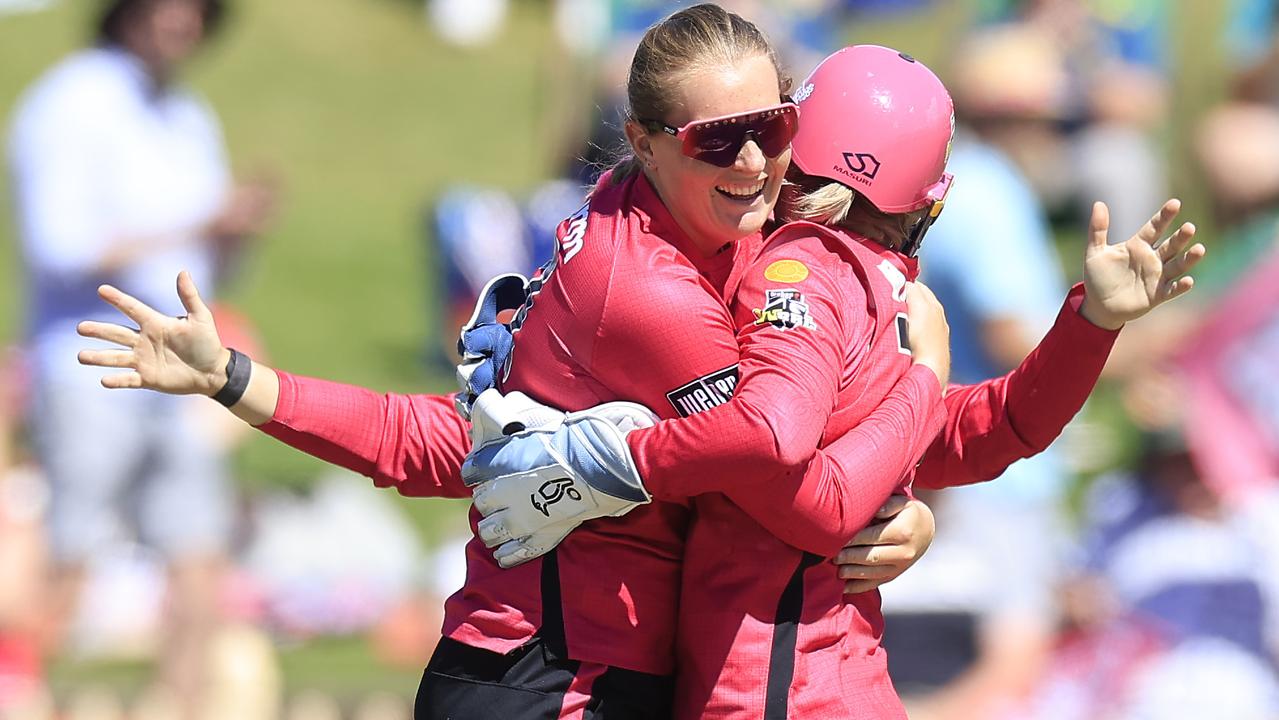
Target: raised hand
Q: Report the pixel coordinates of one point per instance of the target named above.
(180, 356)
(1129, 279)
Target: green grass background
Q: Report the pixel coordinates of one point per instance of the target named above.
(363, 115)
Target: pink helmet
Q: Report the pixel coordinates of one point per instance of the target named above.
(879, 122)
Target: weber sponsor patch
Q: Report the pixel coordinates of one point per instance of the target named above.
(785, 309)
(705, 392)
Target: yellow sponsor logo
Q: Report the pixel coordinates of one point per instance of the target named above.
(786, 271)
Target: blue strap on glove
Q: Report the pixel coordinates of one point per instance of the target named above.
(484, 343)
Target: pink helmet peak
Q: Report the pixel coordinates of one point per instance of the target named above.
(880, 122)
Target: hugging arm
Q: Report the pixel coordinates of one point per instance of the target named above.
(759, 446)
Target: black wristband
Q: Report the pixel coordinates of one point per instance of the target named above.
(238, 369)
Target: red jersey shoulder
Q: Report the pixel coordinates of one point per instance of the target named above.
(797, 273)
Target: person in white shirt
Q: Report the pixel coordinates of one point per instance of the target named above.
(120, 177)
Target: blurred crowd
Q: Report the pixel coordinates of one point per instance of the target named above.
(1130, 572)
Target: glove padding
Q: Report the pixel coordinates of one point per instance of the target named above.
(495, 416)
(484, 343)
(534, 486)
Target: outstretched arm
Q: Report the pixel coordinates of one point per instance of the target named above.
(992, 424)
(415, 443)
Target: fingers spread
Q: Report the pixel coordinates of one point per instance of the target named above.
(190, 297)
(1180, 287)
(133, 308)
(110, 332)
(1155, 228)
(1185, 262)
(1175, 245)
(106, 358)
(1098, 225)
(122, 380)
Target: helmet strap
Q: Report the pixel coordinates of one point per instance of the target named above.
(915, 238)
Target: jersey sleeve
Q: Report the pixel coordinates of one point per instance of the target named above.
(821, 506)
(414, 443)
(992, 424)
(791, 339)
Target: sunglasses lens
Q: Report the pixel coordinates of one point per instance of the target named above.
(719, 142)
(776, 133)
(717, 146)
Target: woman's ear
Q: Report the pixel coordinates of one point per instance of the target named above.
(641, 142)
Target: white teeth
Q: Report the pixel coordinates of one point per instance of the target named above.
(738, 191)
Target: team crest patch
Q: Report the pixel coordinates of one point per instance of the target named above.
(785, 309)
(786, 271)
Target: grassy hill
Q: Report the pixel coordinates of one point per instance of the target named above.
(363, 115)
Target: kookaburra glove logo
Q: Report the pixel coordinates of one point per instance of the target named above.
(552, 491)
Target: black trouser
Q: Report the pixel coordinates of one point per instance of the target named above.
(467, 683)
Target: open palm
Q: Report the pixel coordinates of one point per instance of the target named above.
(1129, 279)
(181, 356)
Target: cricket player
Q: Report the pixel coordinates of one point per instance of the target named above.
(633, 307)
(820, 324)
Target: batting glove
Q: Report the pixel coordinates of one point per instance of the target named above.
(534, 486)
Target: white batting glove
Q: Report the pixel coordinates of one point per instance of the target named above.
(536, 485)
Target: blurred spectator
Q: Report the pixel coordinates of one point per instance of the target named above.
(467, 22)
(1237, 146)
(24, 6)
(334, 562)
(23, 555)
(1001, 287)
(1251, 44)
(1110, 98)
(120, 177)
(1176, 595)
(1230, 384)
